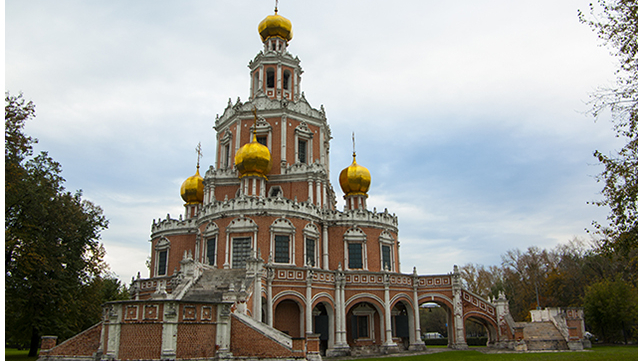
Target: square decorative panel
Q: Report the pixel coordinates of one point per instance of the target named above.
(151, 312)
(206, 313)
(131, 313)
(189, 313)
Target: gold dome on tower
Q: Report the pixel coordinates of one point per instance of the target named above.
(192, 189)
(355, 179)
(253, 159)
(275, 25)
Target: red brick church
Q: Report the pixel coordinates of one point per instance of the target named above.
(264, 264)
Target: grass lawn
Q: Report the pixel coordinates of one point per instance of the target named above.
(12, 354)
(596, 353)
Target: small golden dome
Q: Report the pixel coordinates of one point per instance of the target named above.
(253, 159)
(355, 179)
(192, 189)
(275, 25)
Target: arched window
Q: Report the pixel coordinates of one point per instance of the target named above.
(270, 78)
(286, 80)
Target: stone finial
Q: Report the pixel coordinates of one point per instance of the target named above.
(138, 275)
(415, 271)
(339, 266)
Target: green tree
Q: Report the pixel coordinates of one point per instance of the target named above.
(616, 24)
(52, 249)
(611, 309)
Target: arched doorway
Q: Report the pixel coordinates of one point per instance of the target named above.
(477, 326)
(436, 322)
(401, 324)
(323, 324)
(288, 318)
(364, 327)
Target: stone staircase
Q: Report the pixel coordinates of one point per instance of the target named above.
(543, 336)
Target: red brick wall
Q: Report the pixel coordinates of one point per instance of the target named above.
(140, 341)
(85, 343)
(195, 341)
(246, 341)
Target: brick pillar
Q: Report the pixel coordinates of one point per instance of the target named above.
(47, 343)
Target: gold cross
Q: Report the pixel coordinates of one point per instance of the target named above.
(199, 154)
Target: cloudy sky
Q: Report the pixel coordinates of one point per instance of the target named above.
(470, 115)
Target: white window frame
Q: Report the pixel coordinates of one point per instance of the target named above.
(311, 232)
(303, 132)
(163, 244)
(283, 227)
(386, 239)
(355, 235)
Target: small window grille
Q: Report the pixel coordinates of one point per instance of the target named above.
(210, 250)
(162, 263)
(240, 252)
(282, 249)
(355, 255)
(386, 257)
(310, 252)
(302, 151)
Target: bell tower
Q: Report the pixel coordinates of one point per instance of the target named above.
(275, 73)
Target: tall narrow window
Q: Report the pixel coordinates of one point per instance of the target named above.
(240, 252)
(282, 249)
(263, 140)
(386, 257)
(310, 252)
(286, 80)
(226, 156)
(256, 82)
(270, 78)
(209, 252)
(355, 255)
(301, 148)
(162, 263)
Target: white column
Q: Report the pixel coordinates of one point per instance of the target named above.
(309, 303)
(318, 195)
(223, 331)
(269, 297)
(338, 312)
(325, 246)
(226, 262)
(310, 190)
(256, 302)
(387, 313)
(284, 132)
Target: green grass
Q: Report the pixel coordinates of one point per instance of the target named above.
(13, 354)
(597, 353)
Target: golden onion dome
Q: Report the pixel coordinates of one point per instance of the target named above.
(355, 179)
(192, 189)
(275, 25)
(253, 159)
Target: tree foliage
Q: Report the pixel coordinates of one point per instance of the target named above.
(53, 257)
(616, 24)
(610, 309)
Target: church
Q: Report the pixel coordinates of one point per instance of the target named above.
(264, 263)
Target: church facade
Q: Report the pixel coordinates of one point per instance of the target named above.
(263, 264)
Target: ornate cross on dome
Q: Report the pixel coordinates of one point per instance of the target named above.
(199, 154)
(276, 5)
